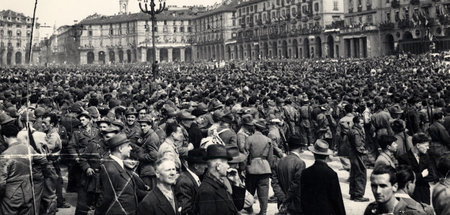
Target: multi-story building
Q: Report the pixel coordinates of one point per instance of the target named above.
(285, 28)
(15, 33)
(126, 38)
(214, 32)
(375, 28)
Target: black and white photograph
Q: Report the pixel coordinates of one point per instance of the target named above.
(225, 107)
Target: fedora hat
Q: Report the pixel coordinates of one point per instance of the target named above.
(294, 142)
(117, 140)
(196, 156)
(104, 120)
(146, 119)
(320, 147)
(184, 115)
(84, 113)
(5, 118)
(216, 151)
(215, 104)
(131, 111)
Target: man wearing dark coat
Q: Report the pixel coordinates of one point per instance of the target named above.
(149, 143)
(286, 178)
(419, 160)
(161, 200)
(121, 189)
(15, 181)
(358, 170)
(220, 192)
(189, 181)
(321, 192)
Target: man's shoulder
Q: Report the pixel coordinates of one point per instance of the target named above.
(372, 208)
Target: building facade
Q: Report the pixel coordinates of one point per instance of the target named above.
(126, 38)
(15, 33)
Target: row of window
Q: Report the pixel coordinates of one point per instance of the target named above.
(10, 33)
(18, 44)
(11, 25)
(17, 19)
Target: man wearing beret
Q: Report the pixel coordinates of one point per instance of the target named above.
(121, 189)
(220, 192)
(286, 178)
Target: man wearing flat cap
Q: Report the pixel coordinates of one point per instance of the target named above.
(189, 181)
(121, 189)
(149, 142)
(220, 192)
(320, 189)
(286, 178)
(191, 131)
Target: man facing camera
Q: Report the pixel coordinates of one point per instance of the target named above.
(161, 200)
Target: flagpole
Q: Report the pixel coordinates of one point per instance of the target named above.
(30, 157)
(32, 31)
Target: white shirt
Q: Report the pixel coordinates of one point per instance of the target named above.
(196, 178)
(118, 160)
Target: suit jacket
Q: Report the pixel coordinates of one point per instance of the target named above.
(213, 198)
(321, 192)
(424, 163)
(156, 203)
(186, 190)
(286, 181)
(121, 183)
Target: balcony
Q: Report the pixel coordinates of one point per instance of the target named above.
(335, 25)
(358, 28)
(387, 26)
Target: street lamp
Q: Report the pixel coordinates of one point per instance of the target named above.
(153, 12)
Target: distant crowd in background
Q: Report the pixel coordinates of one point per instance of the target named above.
(206, 138)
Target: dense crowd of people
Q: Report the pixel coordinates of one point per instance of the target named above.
(208, 139)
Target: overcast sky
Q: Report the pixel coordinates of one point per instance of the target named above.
(64, 12)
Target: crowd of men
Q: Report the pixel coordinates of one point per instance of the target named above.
(206, 140)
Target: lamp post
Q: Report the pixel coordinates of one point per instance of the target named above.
(153, 12)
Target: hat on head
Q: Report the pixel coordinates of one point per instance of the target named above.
(233, 151)
(196, 156)
(171, 112)
(260, 124)
(93, 112)
(104, 120)
(395, 109)
(76, 108)
(39, 111)
(271, 119)
(227, 118)
(215, 104)
(5, 118)
(320, 147)
(146, 119)
(131, 111)
(84, 113)
(201, 109)
(294, 142)
(110, 130)
(216, 151)
(118, 123)
(247, 119)
(117, 140)
(184, 115)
